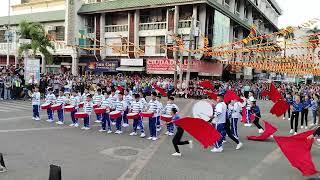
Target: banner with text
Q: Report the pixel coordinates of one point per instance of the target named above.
(32, 68)
(167, 66)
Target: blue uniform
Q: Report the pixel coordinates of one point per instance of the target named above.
(106, 103)
(97, 99)
(121, 106)
(153, 107)
(128, 98)
(61, 100)
(87, 108)
(50, 98)
(137, 107)
(74, 101)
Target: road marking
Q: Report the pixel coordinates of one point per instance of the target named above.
(145, 156)
(257, 171)
(33, 129)
(15, 118)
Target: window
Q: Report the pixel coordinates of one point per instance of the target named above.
(246, 12)
(90, 24)
(124, 45)
(57, 33)
(2, 36)
(237, 5)
(142, 43)
(160, 43)
(256, 2)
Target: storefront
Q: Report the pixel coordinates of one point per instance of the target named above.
(131, 65)
(167, 66)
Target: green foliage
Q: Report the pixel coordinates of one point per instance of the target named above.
(40, 42)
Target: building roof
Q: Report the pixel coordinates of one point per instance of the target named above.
(129, 4)
(48, 16)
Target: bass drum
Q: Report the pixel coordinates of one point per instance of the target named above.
(203, 110)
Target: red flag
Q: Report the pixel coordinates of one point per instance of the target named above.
(264, 93)
(297, 151)
(269, 130)
(201, 130)
(280, 108)
(160, 90)
(212, 95)
(244, 115)
(231, 95)
(274, 94)
(206, 84)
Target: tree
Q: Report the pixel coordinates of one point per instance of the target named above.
(314, 39)
(40, 42)
(286, 35)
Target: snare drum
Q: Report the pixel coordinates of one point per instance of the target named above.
(69, 108)
(203, 110)
(81, 105)
(147, 114)
(133, 116)
(80, 115)
(56, 107)
(46, 106)
(115, 115)
(166, 118)
(100, 110)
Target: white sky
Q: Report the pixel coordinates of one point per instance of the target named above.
(295, 12)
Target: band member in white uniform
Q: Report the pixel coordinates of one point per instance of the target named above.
(36, 104)
(137, 107)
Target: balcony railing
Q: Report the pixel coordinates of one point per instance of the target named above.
(116, 28)
(184, 24)
(153, 26)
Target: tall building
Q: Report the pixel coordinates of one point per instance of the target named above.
(138, 35)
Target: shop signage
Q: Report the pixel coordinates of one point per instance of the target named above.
(131, 62)
(106, 66)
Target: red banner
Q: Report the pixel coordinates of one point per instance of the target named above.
(166, 66)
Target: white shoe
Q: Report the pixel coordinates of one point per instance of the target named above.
(306, 127)
(190, 144)
(109, 132)
(247, 124)
(289, 119)
(149, 138)
(59, 123)
(86, 128)
(260, 131)
(3, 169)
(176, 154)
(217, 150)
(113, 123)
(37, 119)
(33, 118)
(283, 118)
(302, 127)
(167, 133)
(311, 124)
(83, 128)
(76, 125)
(142, 135)
(154, 138)
(102, 130)
(71, 125)
(49, 120)
(170, 134)
(224, 141)
(239, 146)
(295, 133)
(125, 125)
(133, 134)
(291, 131)
(118, 132)
(97, 121)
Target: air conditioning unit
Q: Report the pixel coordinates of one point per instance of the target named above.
(52, 28)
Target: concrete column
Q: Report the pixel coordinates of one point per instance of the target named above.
(43, 64)
(175, 53)
(203, 18)
(136, 30)
(75, 63)
(250, 16)
(242, 2)
(231, 34)
(102, 38)
(232, 5)
(176, 19)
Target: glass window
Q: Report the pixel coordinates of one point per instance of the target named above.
(142, 43)
(161, 42)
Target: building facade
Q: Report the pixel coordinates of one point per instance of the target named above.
(140, 34)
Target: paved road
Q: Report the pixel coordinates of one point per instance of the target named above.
(29, 147)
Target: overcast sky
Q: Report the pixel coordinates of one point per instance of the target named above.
(295, 12)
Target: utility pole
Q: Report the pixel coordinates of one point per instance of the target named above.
(175, 52)
(8, 35)
(181, 64)
(191, 40)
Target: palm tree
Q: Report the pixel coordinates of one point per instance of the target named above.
(40, 42)
(314, 40)
(287, 35)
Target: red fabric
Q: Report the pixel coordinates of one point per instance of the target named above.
(279, 108)
(297, 151)
(160, 90)
(264, 93)
(201, 130)
(244, 115)
(303, 135)
(269, 130)
(231, 95)
(274, 94)
(206, 84)
(212, 95)
(120, 88)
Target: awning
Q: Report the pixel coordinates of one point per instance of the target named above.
(130, 68)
